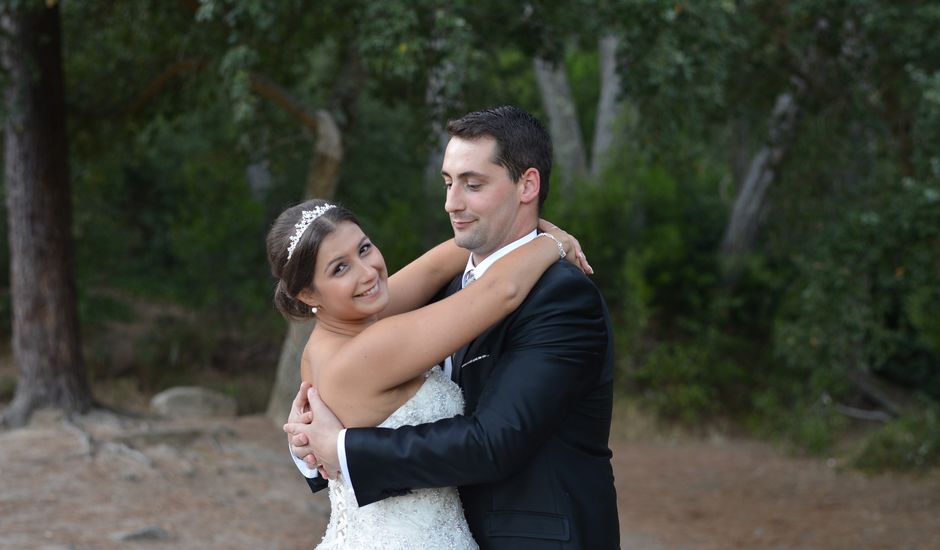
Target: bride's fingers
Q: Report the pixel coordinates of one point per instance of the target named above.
(293, 429)
(300, 400)
(578, 258)
(300, 405)
(581, 258)
(574, 256)
(585, 266)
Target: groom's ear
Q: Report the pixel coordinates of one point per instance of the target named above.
(530, 182)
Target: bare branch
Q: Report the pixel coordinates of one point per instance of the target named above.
(862, 414)
(162, 80)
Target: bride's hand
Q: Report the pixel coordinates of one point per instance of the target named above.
(300, 413)
(573, 251)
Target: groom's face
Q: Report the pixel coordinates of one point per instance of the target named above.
(483, 202)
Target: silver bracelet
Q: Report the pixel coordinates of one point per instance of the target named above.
(561, 249)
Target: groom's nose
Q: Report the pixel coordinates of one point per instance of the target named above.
(453, 202)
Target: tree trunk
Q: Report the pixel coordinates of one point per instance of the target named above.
(740, 157)
(562, 122)
(323, 173)
(609, 106)
(322, 178)
(287, 380)
(46, 341)
(434, 186)
(750, 202)
(563, 116)
(438, 101)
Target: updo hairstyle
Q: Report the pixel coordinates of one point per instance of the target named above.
(296, 274)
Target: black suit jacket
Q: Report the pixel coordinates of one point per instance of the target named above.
(530, 456)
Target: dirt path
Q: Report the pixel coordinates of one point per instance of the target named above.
(740, 494)
(228, 484)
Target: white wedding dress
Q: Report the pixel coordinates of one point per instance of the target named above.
(425, 519)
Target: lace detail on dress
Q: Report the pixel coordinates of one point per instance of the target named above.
(424, 519)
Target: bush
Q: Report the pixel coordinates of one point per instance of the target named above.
(861, 295)
(911, 442)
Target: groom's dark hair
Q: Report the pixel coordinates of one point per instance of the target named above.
(522, 142)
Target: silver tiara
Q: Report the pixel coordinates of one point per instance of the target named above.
(306, 218)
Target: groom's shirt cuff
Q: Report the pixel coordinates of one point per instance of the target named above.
(309, 473)
(312, 473)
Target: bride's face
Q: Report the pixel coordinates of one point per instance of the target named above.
(351, 280)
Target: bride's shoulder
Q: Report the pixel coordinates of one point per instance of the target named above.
(320, 346)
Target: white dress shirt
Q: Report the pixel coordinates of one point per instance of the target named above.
(477, 271)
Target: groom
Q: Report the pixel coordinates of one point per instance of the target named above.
(530, 456)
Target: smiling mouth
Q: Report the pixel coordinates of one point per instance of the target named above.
(373, 290)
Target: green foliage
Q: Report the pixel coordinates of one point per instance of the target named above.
(781, 408)
(860, 296)
(649, 237)
(845, 274)
(911, 442)
(688, 382)
(382, 182)
(169, 219)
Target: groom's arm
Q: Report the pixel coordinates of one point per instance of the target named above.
(557, 346)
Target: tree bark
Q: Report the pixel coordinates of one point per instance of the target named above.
(433, 185)
(562, 122)
(563, 116)
(46, 340)
(749, 204)
(739, 154)
(162, 81)
(609, 106)
(437, 101)
(328, 143)
(287, 380)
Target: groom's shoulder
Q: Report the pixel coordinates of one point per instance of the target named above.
(563, 280)
(563, 272)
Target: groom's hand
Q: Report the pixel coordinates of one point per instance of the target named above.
(321, 433)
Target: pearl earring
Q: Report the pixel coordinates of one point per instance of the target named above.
(314, 310)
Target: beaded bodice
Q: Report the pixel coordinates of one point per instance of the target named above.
(423, 519)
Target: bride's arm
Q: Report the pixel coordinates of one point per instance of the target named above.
(415, 284)
(396, 349)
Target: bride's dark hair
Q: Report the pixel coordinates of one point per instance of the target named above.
(296, 273)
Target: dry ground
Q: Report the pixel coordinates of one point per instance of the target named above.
(95, 483)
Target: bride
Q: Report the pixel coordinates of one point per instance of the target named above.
(370, 351)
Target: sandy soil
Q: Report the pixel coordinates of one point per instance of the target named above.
(104, 482)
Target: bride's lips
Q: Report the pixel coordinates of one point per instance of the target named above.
(372, 292)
